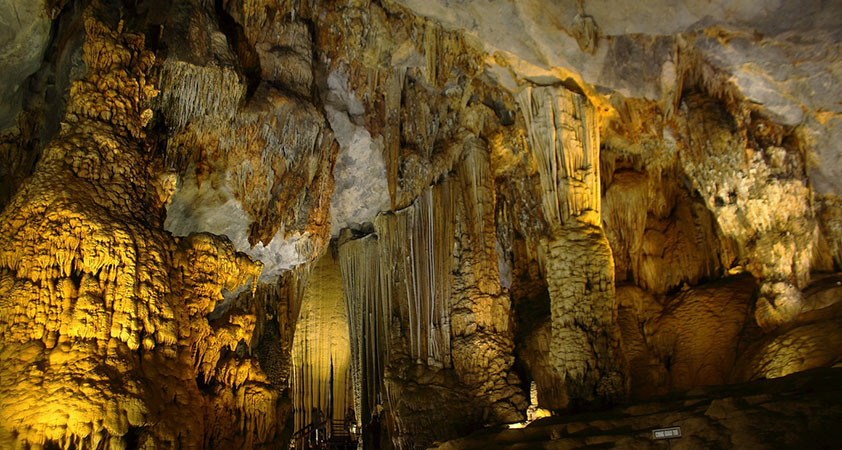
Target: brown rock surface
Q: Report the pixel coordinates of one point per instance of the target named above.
(798, 411)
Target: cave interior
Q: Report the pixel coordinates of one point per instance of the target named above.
(412, 224)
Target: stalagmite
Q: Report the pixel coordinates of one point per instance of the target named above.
(94, 295)
(580, 270)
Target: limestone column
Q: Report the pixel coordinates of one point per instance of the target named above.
(585, 347)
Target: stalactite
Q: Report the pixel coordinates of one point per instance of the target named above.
(660, 237)
(194, 92)
(564, 141)
(431, 52)
(115, 334)
(478, 194)
(393, 88)
(406, 266)
(369, 313)
(417, 243)
(580, 270)
(274, 150)
(321, 349)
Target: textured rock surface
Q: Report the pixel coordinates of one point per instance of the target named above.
(24, 37)
(442, 346)
(321, 349)
(789, 67)
(689, 340)
(584, 347)
(759, 197)
(706, 335)
(360, 174)
(104, 325)
(257, 154)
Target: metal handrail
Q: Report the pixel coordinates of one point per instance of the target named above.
(320, 436)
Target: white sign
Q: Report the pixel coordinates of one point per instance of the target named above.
(666, 433)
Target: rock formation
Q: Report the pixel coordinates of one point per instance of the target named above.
(221, 216)
(105, 329)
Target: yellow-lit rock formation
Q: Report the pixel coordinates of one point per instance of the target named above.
(104, 323)
(321, 350)
(584, 346)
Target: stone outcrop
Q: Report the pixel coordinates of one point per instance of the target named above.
(105, 330)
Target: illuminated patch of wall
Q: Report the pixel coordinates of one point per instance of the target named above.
(321, 352)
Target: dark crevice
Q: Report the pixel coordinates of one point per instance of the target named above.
(76, 278)
(246, 54)
(132, 437)
(506, 116)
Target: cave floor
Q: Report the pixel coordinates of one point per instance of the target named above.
(799, 411)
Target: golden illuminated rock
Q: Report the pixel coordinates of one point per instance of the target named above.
(104, 323)
(321, 355)
(766, 209)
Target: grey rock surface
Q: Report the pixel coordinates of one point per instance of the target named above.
(784, 56)
(24, 36)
